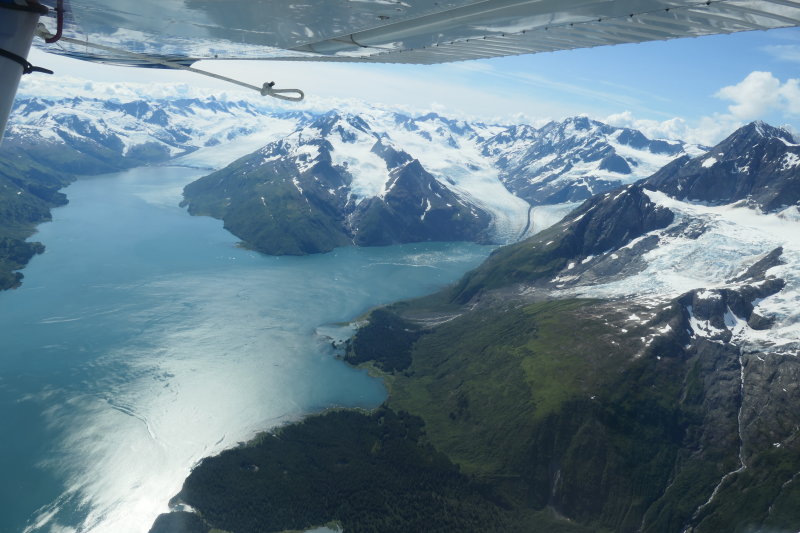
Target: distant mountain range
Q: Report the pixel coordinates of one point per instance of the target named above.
(381, 177)
(632, 368)
(105, 135)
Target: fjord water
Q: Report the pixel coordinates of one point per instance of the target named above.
(144, 339)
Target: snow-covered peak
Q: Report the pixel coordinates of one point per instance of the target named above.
(148, 130)
(572, 129)
(757, 164)
(510, 140)
(577, 158)
(460, 128)
(708, 249)
(347, 126)
(368, 145)
(761, 128)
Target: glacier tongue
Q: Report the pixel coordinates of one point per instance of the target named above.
(458, 163)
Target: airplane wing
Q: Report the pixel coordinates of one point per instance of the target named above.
(389, 31)
(177, 33)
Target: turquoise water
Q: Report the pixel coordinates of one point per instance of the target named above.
(145, 339)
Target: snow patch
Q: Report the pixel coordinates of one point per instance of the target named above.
(790, 161)
(427, 208)
(368, 170)
(708, 295)
(296, 185)
(702, 328)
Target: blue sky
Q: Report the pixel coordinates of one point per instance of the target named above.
(698, 89)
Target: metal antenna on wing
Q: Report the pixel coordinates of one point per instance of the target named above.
(292, 95)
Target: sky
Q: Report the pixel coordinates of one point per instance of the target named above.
(697, 89)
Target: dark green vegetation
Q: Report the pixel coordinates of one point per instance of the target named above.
(551, 406)
(28, 190)
(270, 214)
(372, 473)
(566, 405)
(561, 415)
(385, 341)
(15, 254)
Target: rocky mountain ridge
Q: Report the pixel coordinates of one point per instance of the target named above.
(578, 157)
(758, 165)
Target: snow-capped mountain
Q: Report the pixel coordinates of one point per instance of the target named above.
(577, 158)
(338, 180)
(758, 165)
(471, 180)
(688, 227)
(100, 135)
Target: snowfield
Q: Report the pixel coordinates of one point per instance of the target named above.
(735, 237)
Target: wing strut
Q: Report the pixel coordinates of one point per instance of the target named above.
(17, 24)
(292, 95)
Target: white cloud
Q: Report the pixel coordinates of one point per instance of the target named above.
(674, 128)
(707, 131)
(761, 93)
(785, 52)
(791, 93)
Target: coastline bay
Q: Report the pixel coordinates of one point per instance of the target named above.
(144, 340)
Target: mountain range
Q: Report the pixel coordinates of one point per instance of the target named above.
(312, 182)
(380, 177)
(633, 367)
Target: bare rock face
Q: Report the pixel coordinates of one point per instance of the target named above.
(758, 164)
